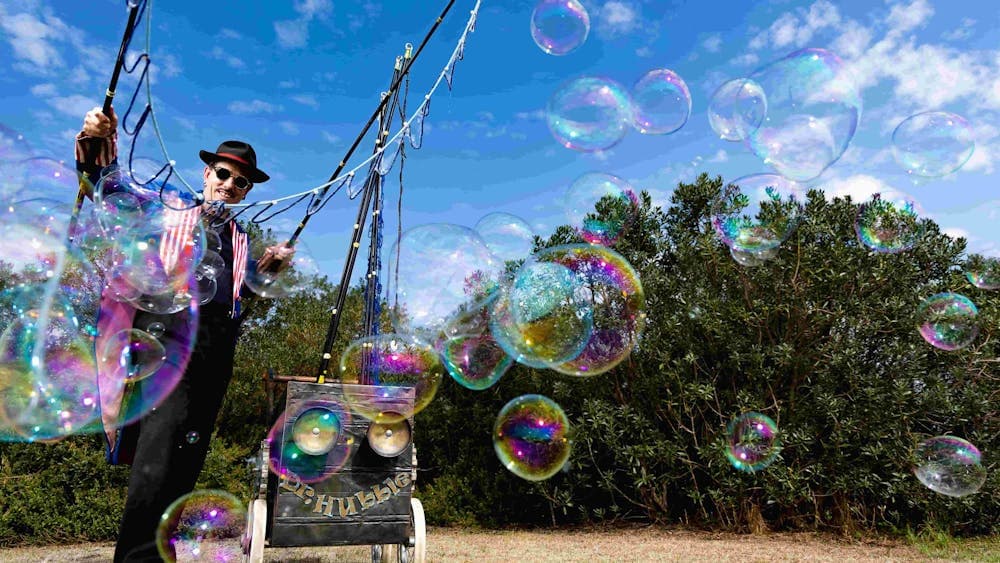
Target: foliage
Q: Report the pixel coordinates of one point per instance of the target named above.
(821, 338)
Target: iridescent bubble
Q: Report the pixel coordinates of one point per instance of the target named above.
(737, 109)
(294, 275)
(617, 301)
(752, 442)
(508, 237)
(205, 289)
(475, 361)
(948, 321)
(545, 316)
(438, 272)
(589, 114)
(984, 273)
(889, 223)
(204, 525)
(749, 259)
(156, 329)
(192, 437)
(311, 443)
(661, 102)
(316, 430)
(55, 181)
(212, 264)
(764, 212)
(601, 207)
(933, 143)
(149, 183)
(813, 108)
(950, 466)
(559, 26)
(531, 437)
(136, 354)
(391, 366)
(14, 150)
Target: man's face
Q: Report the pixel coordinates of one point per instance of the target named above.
(227, 190)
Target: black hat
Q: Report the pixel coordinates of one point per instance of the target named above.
(240, 153)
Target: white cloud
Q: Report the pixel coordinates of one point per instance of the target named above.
(310, 9)
(712, 43)
(255, 106)
(860, 187)
(31, 40)
(852, 40)
(46, 89)
(75, 105)
(616, 18)
(964, 31)
(292, 34)
(289, 127)
(330, 137)
(720, 156)
(799, 28)
(746, 59)
(903, 18)
(227, 33)
(220, 54)
(306, 100)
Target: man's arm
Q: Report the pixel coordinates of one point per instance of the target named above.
(96, 144)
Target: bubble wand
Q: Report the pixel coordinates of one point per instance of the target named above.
(93, 145)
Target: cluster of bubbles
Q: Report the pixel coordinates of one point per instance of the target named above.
(950, 466)
(752, 442)
(204, 525)
(593, 113)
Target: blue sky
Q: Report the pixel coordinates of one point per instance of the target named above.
(298, 80)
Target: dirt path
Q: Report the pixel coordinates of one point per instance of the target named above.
(632, 544)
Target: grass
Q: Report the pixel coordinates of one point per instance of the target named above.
(633, 543)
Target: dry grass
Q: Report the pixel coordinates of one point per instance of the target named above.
(591, 545)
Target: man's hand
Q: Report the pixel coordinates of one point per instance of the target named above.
(276, 258)
(96, 124)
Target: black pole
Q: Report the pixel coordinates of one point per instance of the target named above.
(372, 183)
(109, 95)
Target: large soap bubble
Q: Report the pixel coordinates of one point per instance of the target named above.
(531, 437)
(508, 237)
(813, 108)
(737, 108)
(589, 114)
(933, 143)
(311, 442)
(661, 102)
(617, 302)
(203, 525)
(950, 466)
(766, 211)
(293, 276)
(559, 26)
(601, 207)
(947, 321)
(889, 223)
(385, 368)
(438, 272)
(752, 442)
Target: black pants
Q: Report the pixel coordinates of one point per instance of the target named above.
(174, 437)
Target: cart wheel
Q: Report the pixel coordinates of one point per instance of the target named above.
(404, 553)
(253, 546)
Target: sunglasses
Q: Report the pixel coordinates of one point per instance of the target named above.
(240, 182)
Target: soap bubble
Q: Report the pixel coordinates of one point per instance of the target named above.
(311, 442)
(933, 143)
(601, 207)
(889, 223)
(661, 102)
(766, 211)
(507, 236)
(984, 273)
(950, 466)
(295, 274)
(737, 108)
(589, 114)
(559, 26)
(436, 273)
(531, 437)
(948, 321)
(753, 442)
(813, 109)
(386, 368)
(202, 525)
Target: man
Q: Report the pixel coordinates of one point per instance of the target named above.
(167, 446)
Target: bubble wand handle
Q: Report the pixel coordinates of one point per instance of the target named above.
(135, 8)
